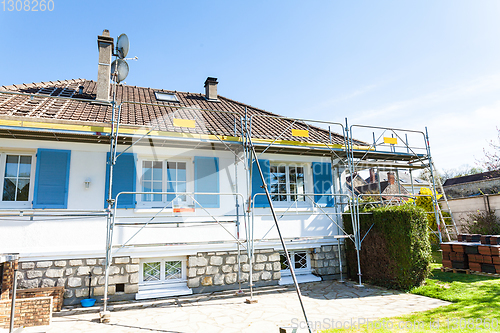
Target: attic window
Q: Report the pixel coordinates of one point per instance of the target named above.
(166, 97)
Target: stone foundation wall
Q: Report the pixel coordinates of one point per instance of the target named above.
(210, 271)
(325, 261)
(73, 275)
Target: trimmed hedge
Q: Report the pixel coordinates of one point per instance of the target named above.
(396, 253)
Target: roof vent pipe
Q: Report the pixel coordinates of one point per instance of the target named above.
(105, 46)
(211, 88)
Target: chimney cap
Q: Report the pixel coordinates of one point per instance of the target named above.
(104, 38)
(211, 80)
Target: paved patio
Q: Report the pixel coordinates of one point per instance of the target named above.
(327, 302)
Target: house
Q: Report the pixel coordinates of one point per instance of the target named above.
(169, 187)
(184, 225)
(473, 185)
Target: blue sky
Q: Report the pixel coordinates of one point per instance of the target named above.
(385, 63)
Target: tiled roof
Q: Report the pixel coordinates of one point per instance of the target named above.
(473, 178)
(190, 106)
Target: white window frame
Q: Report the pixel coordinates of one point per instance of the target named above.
(163, 202)
(162, 280)
(307, 175)
(298, 271)
(3, 165)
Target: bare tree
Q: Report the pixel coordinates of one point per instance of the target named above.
(491, 159)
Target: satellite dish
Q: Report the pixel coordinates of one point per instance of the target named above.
(122, 46)
(119, 70)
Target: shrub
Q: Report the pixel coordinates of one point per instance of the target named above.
(396, 253)
(484, 223)
(426, 204)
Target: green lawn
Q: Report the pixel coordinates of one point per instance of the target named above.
(476, 300)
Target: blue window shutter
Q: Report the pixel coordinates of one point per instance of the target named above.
(51, 178)
(124, 180)
(260, 200)
(206, 179)
(323, 184)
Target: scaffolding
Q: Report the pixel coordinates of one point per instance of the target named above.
(350, 149)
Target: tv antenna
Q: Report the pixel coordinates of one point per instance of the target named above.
(119, 67)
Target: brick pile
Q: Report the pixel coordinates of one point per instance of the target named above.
(479, 253)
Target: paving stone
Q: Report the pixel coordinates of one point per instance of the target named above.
(217, 312)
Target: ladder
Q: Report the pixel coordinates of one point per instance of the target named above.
(447, 222)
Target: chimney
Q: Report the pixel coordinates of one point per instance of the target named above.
(105, 46)
(391, 178)
(211, 88)
(373, 178)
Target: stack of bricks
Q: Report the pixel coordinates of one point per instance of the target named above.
(480, 253)
(487, 259)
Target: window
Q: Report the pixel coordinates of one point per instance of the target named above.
(287, 180)
(17, 184)
(299, 259)
(163, 176)
(176, 175)
(152, 180)
(166, 97)
(169, 270)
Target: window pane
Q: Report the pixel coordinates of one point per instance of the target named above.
(281, 169)
(283, 261)
(151, 271)
(181, 187)
(23, 188)
(9, 189)
(147, 173)
(171, 168)
(181, 171)
(292, 175)
(171, 187)
(300, 260)
(157, 170)
(25, 166)
(173, 270)
(11, 166)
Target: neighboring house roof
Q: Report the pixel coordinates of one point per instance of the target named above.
(20, 107)
(385, 187)
(473, 178)
(404, 178)
(358, 181)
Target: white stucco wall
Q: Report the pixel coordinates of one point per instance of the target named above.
(55, 237)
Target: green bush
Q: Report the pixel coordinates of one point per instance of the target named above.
(396, 253)
(484, 223)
